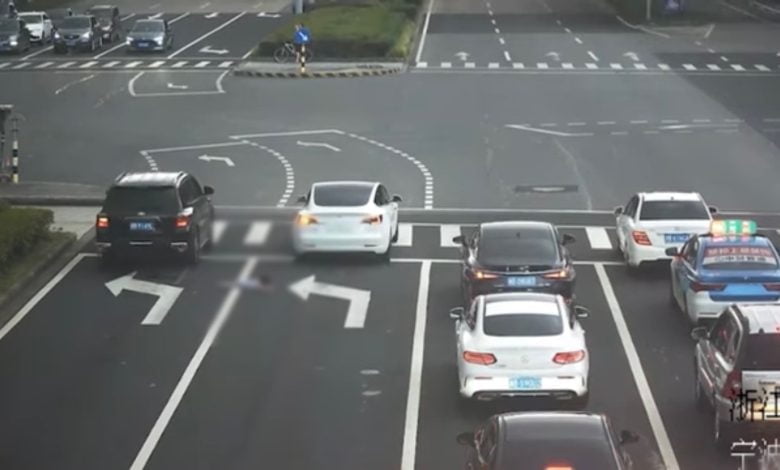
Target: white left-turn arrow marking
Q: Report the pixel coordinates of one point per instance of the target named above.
(166, 294)
(209, 158)
(209, 50)
(319, 144)
(358, 298)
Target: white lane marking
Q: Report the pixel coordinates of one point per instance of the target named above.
(501, 41)
(4, 65)
(669, 121)
(642, 121)
(330, 147)
(195, 147)
(709, 31)
(598, 238)
(469, 65)
(740, 10)
(578, 40)
(664, 67)
(21, 65)
(567, 30)
(27, 308)
(201, 38)
(701, 120)
(218, 230)
(44, 65)
(494, 65)
(202, 64)
(108, 51)
(228, 304)
(606, 123)
(762, 68)
(517, 65)
(225, 64)
(289, 173)
(446, 65)
(258, 233)
(421, 65)
(549, 132)
(567, 65)
(724, 58)
(286, 134)
(179, 64)
(616, 66)
(66, 65)
(640, 66)
(689, 66)
(542, 65)
(424, 33)
(591, 66)
(416, 370)
(113, 63)
(713, 66)
(156, 64)
(492, 20)
(45, 49)
(87, 65)
(68, 85)
(134, 64)
(131, 84)
(642, 28)
(738, 67)
(446, 233)
(593, 56)
(404, 235)
(205, 5)
(645, 393)
(498, 31)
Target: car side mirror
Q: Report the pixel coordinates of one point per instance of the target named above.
(618, 211)
(581, 312)
(672, 251)
(465, 439)
(457, 313)
(628, 437)
(459, 240)
(397, 198)
(302, 199)
(713, 210)
(208, 190)
(699, 333)
(568, 238)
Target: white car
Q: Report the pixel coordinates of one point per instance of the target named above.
(346, 216)
(39, 24)
(522, 344)
(651, 222)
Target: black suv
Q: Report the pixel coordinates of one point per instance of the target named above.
(109, 22)
(168, 211)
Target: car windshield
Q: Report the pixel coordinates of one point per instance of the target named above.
(153, 199)
(9, 25)
(342, 195)
(532, 247)
(75, 23)
(31, 19)
(147, 27)
(738, 258)
(101, 13)
(761, 352)
(674, 210)
(522, 324)
(588, 452)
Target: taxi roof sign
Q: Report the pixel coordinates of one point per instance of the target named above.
(733, 227)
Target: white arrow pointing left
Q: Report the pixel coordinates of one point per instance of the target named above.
(209, 50)
(209, 158)
(632, 56)
(167, 295)
(358, 298)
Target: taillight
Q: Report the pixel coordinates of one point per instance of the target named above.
(697, 286)
(484, 359)
(569, 357)
(182, 221)
(102, 222)
(373, 219)
(640, 237)
(773, 286)
(560, 274)
(483, 275)
(732, 384)
(306, 219)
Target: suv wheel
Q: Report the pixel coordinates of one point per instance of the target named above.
(193, 253)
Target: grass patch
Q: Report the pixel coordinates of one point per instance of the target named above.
(23, 267)
(377, 30)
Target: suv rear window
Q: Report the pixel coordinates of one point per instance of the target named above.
(158, 200)
(737, 257)
(761, 352)
(674, 210)
(342, 195)
(523, 324)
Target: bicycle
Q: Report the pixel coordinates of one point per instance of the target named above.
(286, 51)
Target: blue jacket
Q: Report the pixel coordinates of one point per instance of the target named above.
(302, 36)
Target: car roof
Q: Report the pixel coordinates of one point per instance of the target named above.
(744, 240)
(670, 196)
(522, 302)
(30, 13)
(158, 179)
(761, 318)
(102, 7)
(367, 184)
(553, 424)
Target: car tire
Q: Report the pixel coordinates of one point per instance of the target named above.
(580, 403)
(192, 255)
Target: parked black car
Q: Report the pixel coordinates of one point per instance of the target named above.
(14, 35)
(109, 22)
(155, 211)
(77, 32)
(516, 256)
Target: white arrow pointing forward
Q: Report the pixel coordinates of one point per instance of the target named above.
(211, 15)
(167, 295)
(358, 298)
(554, 55)
(319, 144)
(211, 158)
(462, 55)
(177, 87)
(632, 56)
(263, 14)
(209, 50)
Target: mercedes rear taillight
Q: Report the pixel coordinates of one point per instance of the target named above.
(569, 357)
(484, 359)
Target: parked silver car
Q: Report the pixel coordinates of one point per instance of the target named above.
(150, 35)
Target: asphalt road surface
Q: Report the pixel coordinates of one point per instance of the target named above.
(531, 109)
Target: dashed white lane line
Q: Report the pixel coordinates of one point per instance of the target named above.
(518, 65)
(640, 379)
(258, 233)
(762, 68)
(494, 65)
(217, 230)
(593, 56)
(289, 173)
(404, 235)
(598, 238)
(567, 30)
(149, 160)
(492, 20)
(507, 56)
(578, 40)
(616, 66)
(664, 67)
(498, 31)
(501, 41)
(689, 66)
(591, 66)
(606, 123)
(422, 36)
(713, 67)
(639, 121)
(738, 67)
(446, 233)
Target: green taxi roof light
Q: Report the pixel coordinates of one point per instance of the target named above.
(733, 227)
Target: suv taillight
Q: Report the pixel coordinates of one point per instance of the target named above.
(182, 221)
(484, 359)
(640, 238)
(697, 286)
(732, 384)
(102, 221)
(373, 219)
(569, 357)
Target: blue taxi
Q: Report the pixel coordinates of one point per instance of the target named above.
(730, 264)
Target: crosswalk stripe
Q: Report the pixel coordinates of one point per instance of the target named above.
(738, 67)
(44, 65)
(567, 65)
(156, 64)
(447, 232)
(493, 65)
(616, 66)
(591, 66)
(66, 65)
(4, 65)
(664, 66)
(225, 64)
(517, 65)
(470, 65)
(179, 64)
(542, 65)
(422, 65)
(217, 230)
(598, 238)
(713, 66)
(21, 66)
(258, 233)
(133, 64)
(113, 63)
(689, 67)
(202, 64)
(446, 65)
(640, 66)
(762, 68)
(88, 64)
(404, 235)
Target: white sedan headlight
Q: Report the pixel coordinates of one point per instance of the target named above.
(56, 35)
(129, 40)
(159, 39)
(86, 35)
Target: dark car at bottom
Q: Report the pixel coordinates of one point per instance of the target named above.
(554, 440)
(161, 211)
(516, 256)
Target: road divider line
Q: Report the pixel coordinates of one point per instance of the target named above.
(45, 49)
(227, 307)
(258, 233)
(424, 34)
(409, 448)
(201, 38)
(218, 230)
(404, 235)
(446, 233)
(44, 65)
(643, 386)
(598, 238)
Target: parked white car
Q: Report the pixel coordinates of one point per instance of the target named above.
(39, 24)
(522, 344)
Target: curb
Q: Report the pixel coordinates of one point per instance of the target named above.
(351, 73)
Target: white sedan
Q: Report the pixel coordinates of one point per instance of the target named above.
(346, 216)
(651, 222)
(522, 344)
(39, 24)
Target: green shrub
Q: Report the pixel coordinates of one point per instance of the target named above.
(21, 229)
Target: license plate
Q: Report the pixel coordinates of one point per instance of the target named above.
(676, 237)
(142, 226)
(70, 43)
(143, 44)
(521, 281)
(525, 383)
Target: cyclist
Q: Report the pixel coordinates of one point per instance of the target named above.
(301, 39)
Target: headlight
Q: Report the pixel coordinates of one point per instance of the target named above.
(56, 35)
(159, 39)
(86, 35)
(129, 40)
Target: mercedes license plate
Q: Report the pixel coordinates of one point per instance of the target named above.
(525, 383)
(521, 281)
(142, 226)
(676, 237)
